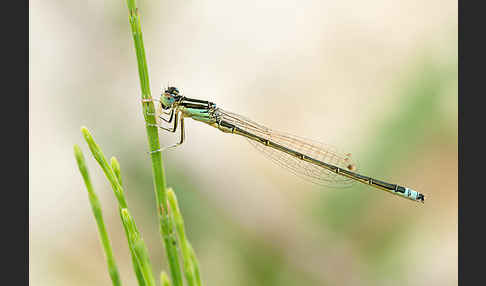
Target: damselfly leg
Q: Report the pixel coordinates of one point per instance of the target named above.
(174, 125)
(170, 117)
(182, 136)
(160, 110)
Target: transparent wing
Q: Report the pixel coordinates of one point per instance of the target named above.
(319, 151)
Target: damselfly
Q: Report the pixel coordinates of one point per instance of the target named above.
(311, 160)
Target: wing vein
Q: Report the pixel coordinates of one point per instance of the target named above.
(316, 150)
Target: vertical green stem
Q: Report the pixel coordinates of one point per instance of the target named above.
(113, 175)
(164, 280)
(195, 264)
(153, 140)
(115, 166)
(96, 207)
(138, 247)
(183, 242)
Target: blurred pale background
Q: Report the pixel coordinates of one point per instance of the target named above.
(376, 78)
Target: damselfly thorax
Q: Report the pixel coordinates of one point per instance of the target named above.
(314, 161)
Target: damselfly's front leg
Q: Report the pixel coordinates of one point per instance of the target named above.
(170, 118)
(157, 102)
(170, 113)
(183, 135)
(174, 126)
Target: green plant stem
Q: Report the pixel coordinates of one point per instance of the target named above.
(115, 166)
(153, 140)
(195, 264)
(164, 280)
(110, 175)
(187, 253)
(136, 266)
(137, 245)
(96, 207)
(118, 190)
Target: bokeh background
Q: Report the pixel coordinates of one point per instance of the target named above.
(375, 78)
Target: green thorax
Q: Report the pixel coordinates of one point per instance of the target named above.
(203, 115)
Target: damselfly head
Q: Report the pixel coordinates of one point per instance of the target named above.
(172, 90)
(169, 97)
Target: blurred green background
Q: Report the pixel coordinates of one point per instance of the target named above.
(375, 78)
